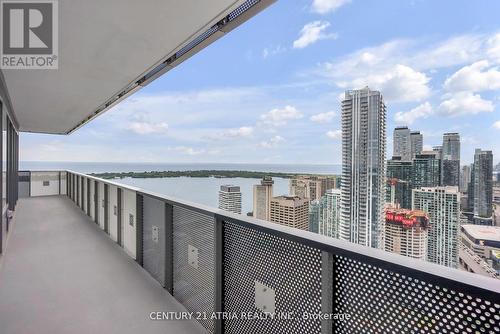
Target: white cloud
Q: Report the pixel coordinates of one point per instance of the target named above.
(494, 48)
(401, 68)
(272, 142)
(422, 111)
(280, 117)
(193, 151)
(427, 147)
(324, 117)
(475, 78)
(243, 131)
(311, 33)
(146, 128)
(465, 103)
(399, 83)
(496, 125)
(334, 134)
(327, 6)
(272, 51)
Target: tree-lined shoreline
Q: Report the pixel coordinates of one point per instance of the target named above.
(203, 173)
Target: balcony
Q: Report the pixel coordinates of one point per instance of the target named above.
(60, 274)
(79, 254)
(77, 236)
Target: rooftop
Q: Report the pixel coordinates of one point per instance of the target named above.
(481, 232)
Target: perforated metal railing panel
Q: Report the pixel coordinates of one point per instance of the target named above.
(292, 270)
(381, 301)
(378, 295)
(194, 262)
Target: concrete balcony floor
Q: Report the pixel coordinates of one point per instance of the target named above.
(61, 274)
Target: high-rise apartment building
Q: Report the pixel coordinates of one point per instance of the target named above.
(329, 225)
(399, 186)
(363, 167)
(262, 194)
(316, 214)
(442, 205)
(290, 211)
(402, 143)
(450, 160)
(465, 176)
(230, 198)
(482, 184)
(417, 143)
(312, 187)
(406, 232)
(426, 170)
(451, 146)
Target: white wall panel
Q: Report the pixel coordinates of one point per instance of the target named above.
(63, 183)
(113, 212)
(129, 222)
(92, 200)
(84, 195)
(101, 205)
(44, 183)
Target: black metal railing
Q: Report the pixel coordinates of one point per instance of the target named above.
(243, 275)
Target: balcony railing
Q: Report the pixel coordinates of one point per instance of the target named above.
(235, 273)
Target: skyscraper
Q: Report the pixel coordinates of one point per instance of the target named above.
(451, 160)
(290, 211)
(262, 194)
(363, 167)
(465, 176)
(230, 198)
(399, 184)
(442, 204)
(316, 214)
(406, 233)
(312, 187)
(417, 143)
(426, 171)
(451, 146)
(482, 179)
(329, 224)
(402, 143)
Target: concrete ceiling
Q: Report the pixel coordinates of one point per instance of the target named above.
(105, 47)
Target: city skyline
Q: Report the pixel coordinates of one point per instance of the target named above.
(282, 106)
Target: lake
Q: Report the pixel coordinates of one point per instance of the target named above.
(202, 190)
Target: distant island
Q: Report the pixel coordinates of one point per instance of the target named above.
(202, 173)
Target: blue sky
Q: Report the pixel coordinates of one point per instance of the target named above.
(269, 92)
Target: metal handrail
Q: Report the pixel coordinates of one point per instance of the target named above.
(480, 286)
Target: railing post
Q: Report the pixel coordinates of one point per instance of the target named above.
(119, 215)
(106, 208)
(96, 202)
(139, 229)
(327, 290)
(88, 197)
(169, 247)
(219, 273)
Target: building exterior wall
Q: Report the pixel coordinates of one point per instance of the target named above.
(411, 242)
(363, 167)
(290, 211)
(230, 198)
(402, 143)
(329, 225)
(442, 204)
(417, 143)
(482, 179)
